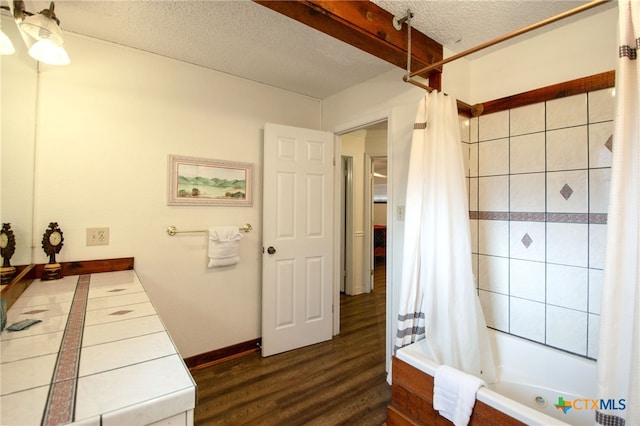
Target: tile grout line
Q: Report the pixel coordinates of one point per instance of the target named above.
(60, 406)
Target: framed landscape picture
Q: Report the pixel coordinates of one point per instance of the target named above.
(201, 181)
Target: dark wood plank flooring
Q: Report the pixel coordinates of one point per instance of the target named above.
(339, 382)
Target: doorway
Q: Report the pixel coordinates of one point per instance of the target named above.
(363, 207)
(379, 219)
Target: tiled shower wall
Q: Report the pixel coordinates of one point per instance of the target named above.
(538, 194)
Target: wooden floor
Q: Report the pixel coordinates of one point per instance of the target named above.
(340, 382)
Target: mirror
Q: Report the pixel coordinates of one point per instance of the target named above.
(18, 91)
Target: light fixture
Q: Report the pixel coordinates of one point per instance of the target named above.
(44, 29)
(50, 53)
(6, 47)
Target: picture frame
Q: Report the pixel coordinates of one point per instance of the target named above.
(197, 181)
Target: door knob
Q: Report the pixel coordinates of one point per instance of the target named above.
(271, 250)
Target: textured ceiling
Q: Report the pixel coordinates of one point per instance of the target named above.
(248, 40)
(462, 24)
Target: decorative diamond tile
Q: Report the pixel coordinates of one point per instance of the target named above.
(566, 191)
(123, 312)
(35, 311)
(609, 143)
(526, 240)
(116, 290)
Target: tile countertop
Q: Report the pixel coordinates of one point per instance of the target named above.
(100, 356)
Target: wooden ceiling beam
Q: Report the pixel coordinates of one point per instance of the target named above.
(364, 25)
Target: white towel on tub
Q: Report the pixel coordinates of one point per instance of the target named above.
(224, 248)
(454, 394)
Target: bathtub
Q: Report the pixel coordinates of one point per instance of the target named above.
(531, 378)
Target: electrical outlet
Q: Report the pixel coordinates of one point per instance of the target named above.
(98, 236)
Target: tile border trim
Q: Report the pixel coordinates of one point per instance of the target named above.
(60, 406)
(579, 218)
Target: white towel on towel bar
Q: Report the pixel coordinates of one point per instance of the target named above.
(224, 247)
(454, 394)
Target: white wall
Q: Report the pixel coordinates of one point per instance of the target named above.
(106, 125)
(18, 82)
(380, 214)
(376, 146)
(388, 96)
(455, 77)
(353, 145)
(376, 142)
(582, 48)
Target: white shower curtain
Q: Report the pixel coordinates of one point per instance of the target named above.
(438, 296)
(619, 351)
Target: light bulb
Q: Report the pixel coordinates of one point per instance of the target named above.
(6, 47)
(49, 53)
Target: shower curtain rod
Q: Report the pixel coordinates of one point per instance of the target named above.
(510, 35)
(473, 110)
(462, 106)
(476, 109)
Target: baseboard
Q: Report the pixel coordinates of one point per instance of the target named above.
(207, 359)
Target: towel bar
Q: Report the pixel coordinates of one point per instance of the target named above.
(171, 230)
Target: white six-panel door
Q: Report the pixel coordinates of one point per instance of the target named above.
(297, 267)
